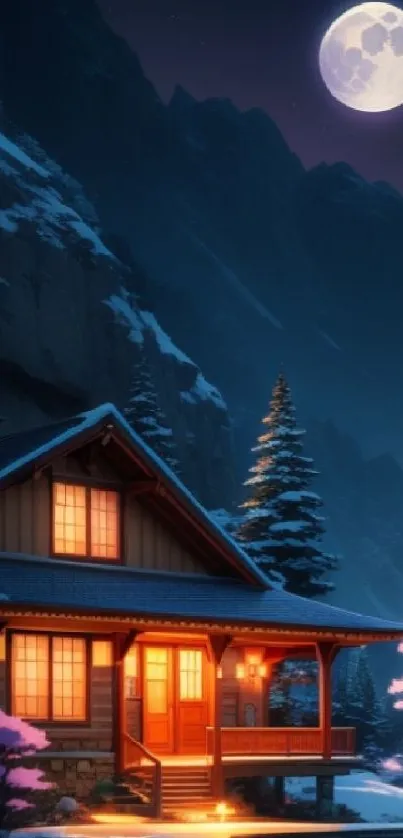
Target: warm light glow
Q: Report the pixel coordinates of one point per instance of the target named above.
(30, 675)
(219, 672)
(69, 675)
(38, 661)
(190, 674)
(69, 519)
(263, 670)
(223, 810)
(113, 817)
(240, 671)
(104, 524)
(156, 671)
(101, 653)
(2, 646)
(85, 521)
(131, 672)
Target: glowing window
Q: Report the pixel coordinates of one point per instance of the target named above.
(69, 676)
(190, 674)
(104, 524)
(156, 661)
(85, 522)
(131, 673)
(49, 677)
(30, 676)
(69, 519)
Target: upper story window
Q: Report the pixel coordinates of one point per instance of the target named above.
(85, 522)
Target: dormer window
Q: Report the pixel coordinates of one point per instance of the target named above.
(85, 522)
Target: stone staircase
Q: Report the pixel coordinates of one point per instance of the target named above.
(186, 787)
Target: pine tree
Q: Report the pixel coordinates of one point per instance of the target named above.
(355, 703)
(281, 528)
(146, 416)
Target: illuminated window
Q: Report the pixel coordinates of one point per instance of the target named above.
(131, 673)
(49, 677)
(190, 674)
(156, 663)
(70, 519)
(104, 524)
(85, 522)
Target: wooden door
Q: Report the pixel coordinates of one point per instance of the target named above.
(192, 701)
(158, 699)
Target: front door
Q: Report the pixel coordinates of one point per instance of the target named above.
(175, 700)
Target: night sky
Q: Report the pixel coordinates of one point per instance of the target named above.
(261, 53)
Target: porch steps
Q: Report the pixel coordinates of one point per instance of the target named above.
(185, 787)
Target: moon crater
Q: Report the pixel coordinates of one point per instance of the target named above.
(361, 57)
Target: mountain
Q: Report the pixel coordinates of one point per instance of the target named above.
(247, 260)
(73, 321)
(300, 266)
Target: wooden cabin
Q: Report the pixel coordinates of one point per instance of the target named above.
(139, 635)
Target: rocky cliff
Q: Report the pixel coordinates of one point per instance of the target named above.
(71, 320)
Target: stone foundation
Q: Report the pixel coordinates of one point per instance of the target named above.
(76, 773)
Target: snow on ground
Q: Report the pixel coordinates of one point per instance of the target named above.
(43, 205)
(365, 793)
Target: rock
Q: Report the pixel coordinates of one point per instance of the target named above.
(67, 805)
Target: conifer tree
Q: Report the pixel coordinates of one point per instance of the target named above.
(146, 416)
(281, 527)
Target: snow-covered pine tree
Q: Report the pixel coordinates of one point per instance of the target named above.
(355, 703)
(281, 527)
(146, 416)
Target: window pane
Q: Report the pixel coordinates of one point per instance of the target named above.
(156, 662)
(104, 524)
(69, 679)
(131, 672)
(69, 519)
(29, 675)
(190, 674)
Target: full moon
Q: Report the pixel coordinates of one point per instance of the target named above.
(361, 57)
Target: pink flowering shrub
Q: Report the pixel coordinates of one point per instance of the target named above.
(18, 740)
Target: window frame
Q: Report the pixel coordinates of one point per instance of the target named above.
(49, 722)
(87, 486)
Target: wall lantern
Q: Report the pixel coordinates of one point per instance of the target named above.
(219, 672)
(252, 669)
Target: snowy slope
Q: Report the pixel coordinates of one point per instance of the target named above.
(366, 794)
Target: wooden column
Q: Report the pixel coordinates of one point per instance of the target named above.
(218, 645)
(121, 645)
(326, 653)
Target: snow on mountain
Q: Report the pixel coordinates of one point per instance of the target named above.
(41, 204)
(71, 325)
(139, 322)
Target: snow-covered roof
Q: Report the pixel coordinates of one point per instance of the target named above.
(120, 591)
(25, 450)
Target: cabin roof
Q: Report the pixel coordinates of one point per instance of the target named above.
(25, 452)
(74, 587)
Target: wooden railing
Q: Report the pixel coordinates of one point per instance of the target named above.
(136, 755)
(281, 741)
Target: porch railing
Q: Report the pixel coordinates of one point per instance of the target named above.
(137, 756)
(281, 741)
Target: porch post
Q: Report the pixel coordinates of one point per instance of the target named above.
(326, 653)
(119, 721)
(121, 645)
(218, 645)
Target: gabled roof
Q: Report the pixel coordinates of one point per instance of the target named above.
(23, 453)
(71, 587)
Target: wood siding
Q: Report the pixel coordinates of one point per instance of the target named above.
(25, 522)
(25, 518)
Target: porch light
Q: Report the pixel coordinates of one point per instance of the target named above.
(262, 670)
(240, 671)
(219, 672)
